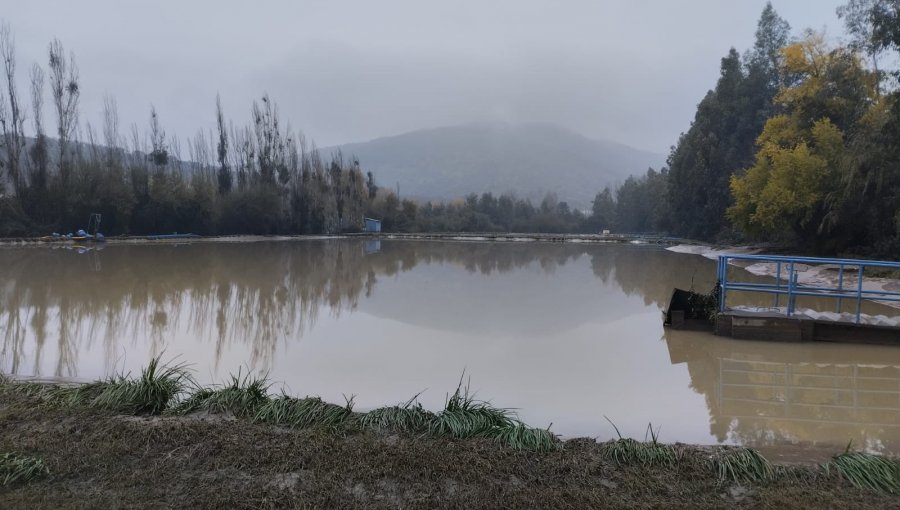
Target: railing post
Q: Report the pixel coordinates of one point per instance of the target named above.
(790, 303)
(722, 278)
(777, 282)
(862, 269)
(840, 286)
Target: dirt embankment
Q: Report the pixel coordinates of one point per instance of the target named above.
(99, 459)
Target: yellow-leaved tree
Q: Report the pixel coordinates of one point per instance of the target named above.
(787, 193)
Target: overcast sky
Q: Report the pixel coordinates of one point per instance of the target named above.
(630, 71)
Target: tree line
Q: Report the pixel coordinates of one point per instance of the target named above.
(798, 144)
(262, 177)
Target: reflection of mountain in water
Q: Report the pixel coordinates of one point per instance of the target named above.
(460, 301)
(263, 293)
(449, 298)
(765, 394)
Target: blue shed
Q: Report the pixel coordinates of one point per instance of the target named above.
(373, 225)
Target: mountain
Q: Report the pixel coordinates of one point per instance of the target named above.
(528, 160)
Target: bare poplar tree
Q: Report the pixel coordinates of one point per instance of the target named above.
(284, 157)
(224, 173)
(65, 90)
(111, 128)
(139, 175)
(39, 150)
(159, 155)
(174, 149)
(13, 121)
(242, 155)
(196, 147)
(268, 138)
(92, 142)
(4, 122)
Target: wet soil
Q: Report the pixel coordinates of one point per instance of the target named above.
(103, 460)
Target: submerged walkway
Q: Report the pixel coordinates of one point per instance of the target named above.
(634, 238)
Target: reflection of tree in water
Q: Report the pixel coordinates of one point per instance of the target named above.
(641, 270)
(764, 394)
(255, 294)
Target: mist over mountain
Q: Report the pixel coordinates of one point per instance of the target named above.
(528, 160)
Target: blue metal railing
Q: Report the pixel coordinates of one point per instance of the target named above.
(787, 285)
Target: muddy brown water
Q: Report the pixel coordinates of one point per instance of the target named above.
(563, 333)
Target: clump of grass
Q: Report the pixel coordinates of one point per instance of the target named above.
(463, 416)
(74, 395)
(54, 394)
(648, 453)
(407, 417)
(304, 412)
(741, 465)
(194, 402)
(523, 437)
(20, 468)
(152, 393)
(867, 471)
(631, 451)
(241, 396)
(24, 388)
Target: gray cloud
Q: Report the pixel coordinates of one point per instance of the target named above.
(631, 71)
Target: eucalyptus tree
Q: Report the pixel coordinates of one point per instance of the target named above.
(722, 136)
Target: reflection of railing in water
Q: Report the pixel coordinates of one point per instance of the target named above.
(792, 289)
(845, 394)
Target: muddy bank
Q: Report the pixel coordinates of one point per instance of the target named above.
(99, 459)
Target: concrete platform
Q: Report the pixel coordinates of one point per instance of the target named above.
(780, 328)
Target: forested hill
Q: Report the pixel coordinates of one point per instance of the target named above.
(797, 144)
(528, 160)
